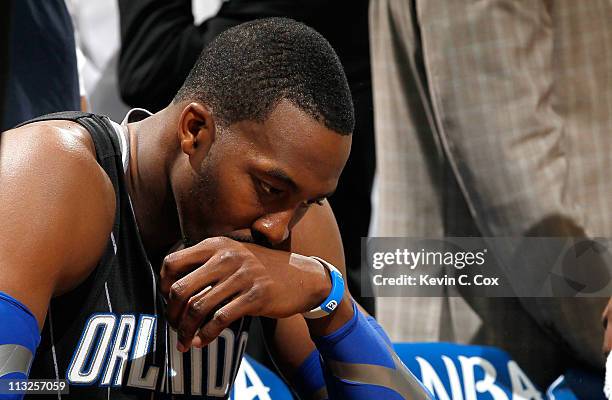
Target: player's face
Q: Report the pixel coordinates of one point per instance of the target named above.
(259, 179)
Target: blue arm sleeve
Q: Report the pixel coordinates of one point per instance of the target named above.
(379, 329)
(19, 338)
(309, 381)
(358, 363)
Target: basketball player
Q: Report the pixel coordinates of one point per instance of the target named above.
(236, 170)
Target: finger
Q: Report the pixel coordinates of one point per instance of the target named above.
(223, 318)
(186, 287)
(180, 263)
(200, 307)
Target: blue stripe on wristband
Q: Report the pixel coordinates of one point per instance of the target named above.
(335, 295)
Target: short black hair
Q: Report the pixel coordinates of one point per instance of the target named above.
(245, 71)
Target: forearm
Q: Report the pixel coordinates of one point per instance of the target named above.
(325, 326)
(356, 361)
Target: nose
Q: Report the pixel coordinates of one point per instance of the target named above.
(276, 226)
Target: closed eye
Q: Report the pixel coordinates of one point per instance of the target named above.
(318, 202)
(269, 189)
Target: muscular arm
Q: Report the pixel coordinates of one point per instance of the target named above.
(56, 208)
(290, 339)
(243, 279)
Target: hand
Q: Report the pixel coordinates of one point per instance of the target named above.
(607, 323)
(236, 279)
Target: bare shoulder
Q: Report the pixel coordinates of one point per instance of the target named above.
(57, 206)
(54, 155)
(68, 136)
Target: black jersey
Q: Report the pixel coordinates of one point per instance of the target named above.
(108, 338)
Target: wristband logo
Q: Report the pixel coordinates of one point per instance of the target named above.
(331, 305)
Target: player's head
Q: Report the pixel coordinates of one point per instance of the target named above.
(264, 131)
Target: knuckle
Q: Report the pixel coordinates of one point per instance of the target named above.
(242, 276)
(194, 309)
(227, 255)
(215, 241)
(177, 290)
(168, 262)
(206, 242)
(221, 318)
(183, 335)
(255, 267)
(254, 294)
(206, 335)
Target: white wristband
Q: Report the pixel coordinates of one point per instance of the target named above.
(335, 296)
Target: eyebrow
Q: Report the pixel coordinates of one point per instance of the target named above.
(281, 175)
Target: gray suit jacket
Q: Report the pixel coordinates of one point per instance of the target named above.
(494, 118)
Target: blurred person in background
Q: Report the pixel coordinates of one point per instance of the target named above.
(41, 65)
(96, 27)
(493, 118)
(160, 43)
(4, 47)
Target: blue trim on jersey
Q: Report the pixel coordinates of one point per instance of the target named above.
(97, 349)
(116, 380)
(116, 363)
(132, 355)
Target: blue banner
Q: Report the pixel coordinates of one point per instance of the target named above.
(449, 371)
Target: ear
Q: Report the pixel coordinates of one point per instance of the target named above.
(196, 130)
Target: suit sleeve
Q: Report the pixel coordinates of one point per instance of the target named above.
(160, 44)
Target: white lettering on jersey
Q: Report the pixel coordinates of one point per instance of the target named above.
(196, 371)
(213, 370)
(120, 350)
(76, 371)
(109, 341)
(145, 332)
(176, 365)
